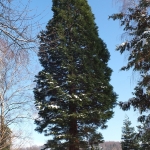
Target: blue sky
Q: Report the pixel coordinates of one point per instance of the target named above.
(110, 32)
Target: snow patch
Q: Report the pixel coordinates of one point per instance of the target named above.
(94, 55)
(69, 95)
(39, 89)
(123, 44)
(54, 106)
(76, 96)
(143, 15)
(146, 32)
(51, 82)
(57, 86)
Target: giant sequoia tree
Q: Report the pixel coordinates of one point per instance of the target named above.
(73, 94)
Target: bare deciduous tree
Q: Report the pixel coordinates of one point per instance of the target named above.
(125, 4)
(15, 92)
(14, 25)
(16, 41)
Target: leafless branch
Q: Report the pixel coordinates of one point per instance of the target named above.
(15, 80)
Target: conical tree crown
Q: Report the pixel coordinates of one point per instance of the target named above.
(129, 139)
(73, 93)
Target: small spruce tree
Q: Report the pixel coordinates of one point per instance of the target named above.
(73, 94)
(129, 140)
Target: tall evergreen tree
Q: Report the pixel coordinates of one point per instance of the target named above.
(136, 22)
(129, 140)
(73, 94)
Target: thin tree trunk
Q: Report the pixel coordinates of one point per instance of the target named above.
(2, 132)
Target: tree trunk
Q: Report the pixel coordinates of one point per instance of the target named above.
(2, 130)
(74, 141)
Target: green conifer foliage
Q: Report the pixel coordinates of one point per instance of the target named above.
(129, 140)
(136, 22)
(73, 94)
(144, 136)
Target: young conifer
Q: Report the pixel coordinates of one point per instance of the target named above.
(129, 139)
(73, 94)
